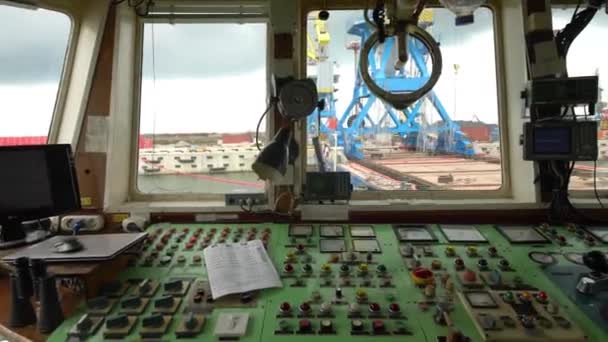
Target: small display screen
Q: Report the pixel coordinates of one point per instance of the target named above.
(362, 231)
(600, 232)
(300, 230)
(462, 233)
(366, 246)
(414, 233)
(332, 245)
(552, 140)
(522, 234)
(331, 231)
(480, 299)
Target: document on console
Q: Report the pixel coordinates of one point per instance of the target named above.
(238, 268)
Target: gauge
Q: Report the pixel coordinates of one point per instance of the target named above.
(542, 258)
(575, 258)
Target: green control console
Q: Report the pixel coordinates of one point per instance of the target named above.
(356, 282)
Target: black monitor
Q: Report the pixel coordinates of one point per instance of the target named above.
(35, 182)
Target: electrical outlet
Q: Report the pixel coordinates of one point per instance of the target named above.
(86, 223)
(237, 199)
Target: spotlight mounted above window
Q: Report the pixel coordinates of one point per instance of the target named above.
(297, 98)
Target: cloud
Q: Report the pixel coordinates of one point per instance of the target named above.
(201, 51)
(32, 44)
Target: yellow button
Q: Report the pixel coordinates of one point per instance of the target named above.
(361, 293)
(363, 267)
(326, 267)
(472, 249)
(450, 250)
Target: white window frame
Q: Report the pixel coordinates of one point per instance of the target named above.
(87, 22)
(582, 196)
(507, 190)
(122, 193)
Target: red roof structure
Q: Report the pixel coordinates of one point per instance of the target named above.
(241, 138)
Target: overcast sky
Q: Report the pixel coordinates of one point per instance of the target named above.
(212, 78)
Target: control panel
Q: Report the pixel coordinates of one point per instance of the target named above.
(360, 282)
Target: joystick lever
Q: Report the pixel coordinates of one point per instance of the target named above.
(597, 280)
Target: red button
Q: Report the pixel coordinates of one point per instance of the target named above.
(304, 325)
(193, 239)
(470, 276)
(378, 326)
(305, 307)
(285, 307)
(300, 247)
(189, 245)
(374, 307)
(288, 268)
(423, 273)
(394, 307)
(542, 296)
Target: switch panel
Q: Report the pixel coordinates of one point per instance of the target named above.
(82, 223)
(231, 325)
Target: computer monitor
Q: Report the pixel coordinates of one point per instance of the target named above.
(35, 182)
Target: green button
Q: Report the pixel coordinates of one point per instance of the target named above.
(381, 268)
(283, 325)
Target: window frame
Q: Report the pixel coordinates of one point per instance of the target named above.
(506, 190)
(584, 195)
(69, 11)
(134, 193)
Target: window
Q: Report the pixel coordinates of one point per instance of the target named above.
(448, 141)
(203, 87)
(586, 57)
(34, 46)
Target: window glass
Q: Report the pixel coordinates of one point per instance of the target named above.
(448, 141)
(33, 50)
(587, 57)
(203, 92)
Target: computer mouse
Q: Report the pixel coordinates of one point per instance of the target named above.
(68, 245)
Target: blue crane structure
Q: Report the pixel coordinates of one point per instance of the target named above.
(356, 121)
